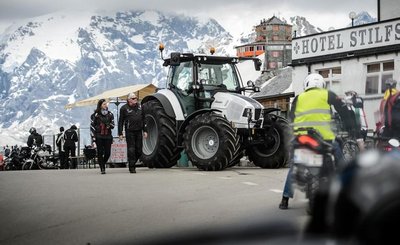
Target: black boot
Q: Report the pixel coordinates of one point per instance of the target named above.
(102, 165)
(132, 168)
(284, 203)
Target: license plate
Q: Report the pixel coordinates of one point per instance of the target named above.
(307, 158)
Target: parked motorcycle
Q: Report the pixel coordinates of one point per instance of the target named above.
(17, 158)
(313, 163)
(42, 157)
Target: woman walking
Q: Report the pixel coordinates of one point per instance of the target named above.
(102, 122)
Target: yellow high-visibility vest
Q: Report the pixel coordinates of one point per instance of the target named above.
(313, 110)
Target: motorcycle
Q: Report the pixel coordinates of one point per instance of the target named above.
(42, 158)
(17, 158)
(313, 163)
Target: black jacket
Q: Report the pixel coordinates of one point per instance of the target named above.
(34, 139)
(70, 137)
(101, 125)
(132, 118)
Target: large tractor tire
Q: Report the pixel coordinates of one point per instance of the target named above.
(274, 152)
(160, 147)
(210, 142)
(238, 154)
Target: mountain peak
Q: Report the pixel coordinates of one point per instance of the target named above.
(52, 60)
(304, 27)
(363, 18)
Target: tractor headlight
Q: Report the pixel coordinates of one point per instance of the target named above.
(247, 113)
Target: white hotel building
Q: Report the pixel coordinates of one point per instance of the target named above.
(358, 58)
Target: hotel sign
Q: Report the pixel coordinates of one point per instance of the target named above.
(347, 40)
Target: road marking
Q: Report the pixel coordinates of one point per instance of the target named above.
(276, 190)
(225, 177)
(200, 173)
(249, 183)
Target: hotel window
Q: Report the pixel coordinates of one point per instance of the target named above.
(272, 65)
(275, 54)
(377, 74)
(332, 78)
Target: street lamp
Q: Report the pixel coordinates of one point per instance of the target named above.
(352, 16)
(295, 28)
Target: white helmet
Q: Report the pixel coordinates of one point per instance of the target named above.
(314, 81)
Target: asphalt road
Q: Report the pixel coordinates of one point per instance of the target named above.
(83, 207)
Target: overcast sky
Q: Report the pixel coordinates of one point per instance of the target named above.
(236, 16)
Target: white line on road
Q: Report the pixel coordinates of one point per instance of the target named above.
(225, 177)
(276, 190)
(200, 173)
(249, 183)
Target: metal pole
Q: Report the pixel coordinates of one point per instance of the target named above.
(79, 142)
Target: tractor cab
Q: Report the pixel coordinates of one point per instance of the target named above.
(195, 79)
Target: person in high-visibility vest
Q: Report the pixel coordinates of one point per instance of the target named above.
(312, 108)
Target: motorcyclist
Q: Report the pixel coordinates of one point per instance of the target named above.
(312, 108)
(34, 139)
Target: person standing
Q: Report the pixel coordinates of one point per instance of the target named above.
(132, 118)
(102, 122)
(70, 137)
(60, 141)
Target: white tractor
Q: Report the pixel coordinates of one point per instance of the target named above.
(203, 111)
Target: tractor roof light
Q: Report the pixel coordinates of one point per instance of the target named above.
(161, 47)
(212, 50)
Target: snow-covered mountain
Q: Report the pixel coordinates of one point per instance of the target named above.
(50, 61)
(363, 18)
(303, 26)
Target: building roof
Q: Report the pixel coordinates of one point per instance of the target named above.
(273, 21)
(279, 84)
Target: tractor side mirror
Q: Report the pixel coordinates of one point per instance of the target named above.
(175, 59)
(250, 83)
(257, 64)
(252, 86)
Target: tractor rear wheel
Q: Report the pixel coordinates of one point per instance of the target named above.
(160, 147)
(274, 152)
(210, 142)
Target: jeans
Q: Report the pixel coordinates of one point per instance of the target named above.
(288, 188)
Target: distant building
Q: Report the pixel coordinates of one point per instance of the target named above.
(359, 58)
(274, 36)
(277, 91)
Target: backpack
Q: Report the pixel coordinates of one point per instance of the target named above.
(392, 114)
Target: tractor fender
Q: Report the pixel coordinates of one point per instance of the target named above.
(188, 119)
(169, 102)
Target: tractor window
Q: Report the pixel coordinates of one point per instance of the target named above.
(181, 76)
(219, 75)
